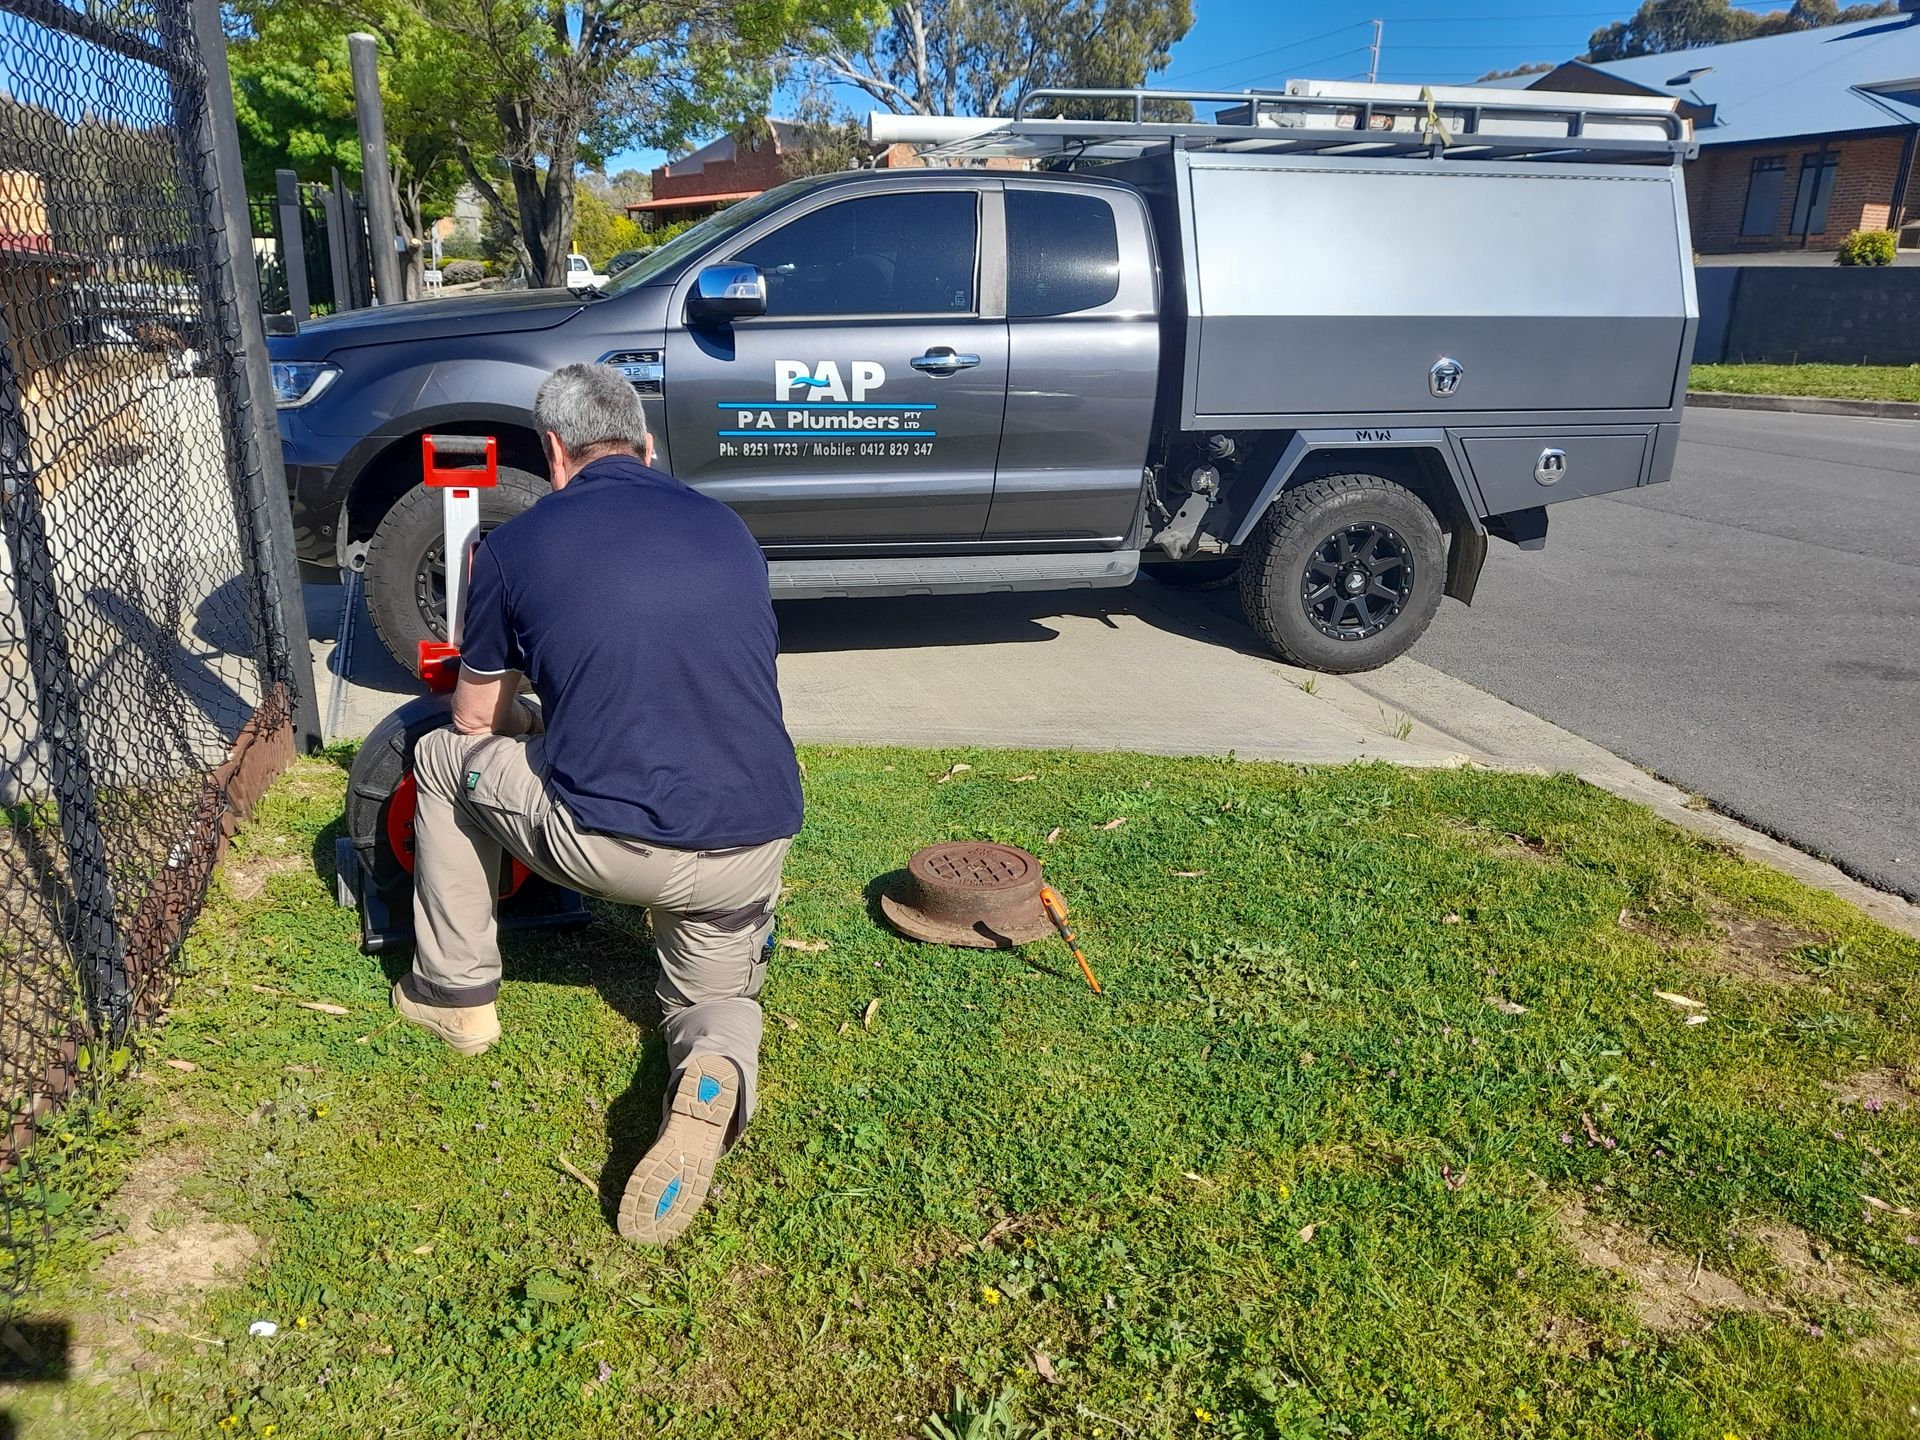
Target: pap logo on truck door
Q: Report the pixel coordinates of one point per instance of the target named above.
(824, 383)
(825, 412)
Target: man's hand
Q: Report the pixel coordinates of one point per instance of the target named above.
(491, 705)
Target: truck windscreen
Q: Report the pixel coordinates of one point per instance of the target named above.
(708, 232)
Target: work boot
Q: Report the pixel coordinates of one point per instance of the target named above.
(470, 1029)
(671, 1182)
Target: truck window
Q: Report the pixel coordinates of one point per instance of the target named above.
(910, 254)
(1063, 253)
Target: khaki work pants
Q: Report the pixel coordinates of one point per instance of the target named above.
(712, 910)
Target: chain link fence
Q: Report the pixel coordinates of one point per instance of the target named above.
(152, 644)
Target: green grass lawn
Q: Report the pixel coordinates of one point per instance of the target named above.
(1382, 1109)
(1842, 382)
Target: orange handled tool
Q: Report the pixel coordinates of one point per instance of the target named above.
(1057, 912)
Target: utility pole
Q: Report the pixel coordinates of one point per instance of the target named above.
(374, 178)
(1373, 62)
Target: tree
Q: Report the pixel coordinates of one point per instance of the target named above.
(981, 57)
(601, 229)
(1662, 25)
(1537, 67)
(562, 81)
(293, 95)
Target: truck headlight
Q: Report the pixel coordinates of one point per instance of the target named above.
(300, 382)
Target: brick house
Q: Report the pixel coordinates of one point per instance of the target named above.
(718, 174)
(1803, 137)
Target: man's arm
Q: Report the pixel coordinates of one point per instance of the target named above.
(491, 705)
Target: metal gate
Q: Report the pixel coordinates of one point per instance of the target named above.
(153, 654)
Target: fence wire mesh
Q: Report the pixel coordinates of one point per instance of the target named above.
(142, 647)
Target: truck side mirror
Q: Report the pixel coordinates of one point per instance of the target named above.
(727, 292)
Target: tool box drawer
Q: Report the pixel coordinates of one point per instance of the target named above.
(1519, 472)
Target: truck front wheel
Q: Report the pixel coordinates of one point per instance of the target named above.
(407, 571)
(1343, 573)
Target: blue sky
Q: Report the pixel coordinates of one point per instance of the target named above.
(1237, 43)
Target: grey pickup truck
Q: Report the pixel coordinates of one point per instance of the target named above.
(1327, 341)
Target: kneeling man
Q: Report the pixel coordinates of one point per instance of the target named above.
(657, 770)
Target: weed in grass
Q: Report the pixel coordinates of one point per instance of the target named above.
(992, 1419)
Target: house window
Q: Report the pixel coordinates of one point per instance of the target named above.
(1765, 181)
(1817, 174)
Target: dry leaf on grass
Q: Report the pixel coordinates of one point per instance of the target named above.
(567, 1165)
(1022, 779)
(1053, 834)
(426, 1249)
(324, 1008)
(1043, 1367)
(1188, 874)
(1114, 824)
(873, 1009)
(844, 1028)
(1696, 1020)
(786, 1020)
(1681, 1000)
(1450, 918)
(959, 769)
(180, 1065)
(1307, 1232)
(811, 947)
(1506, 1007)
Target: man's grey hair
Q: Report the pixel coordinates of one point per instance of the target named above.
(591, 407)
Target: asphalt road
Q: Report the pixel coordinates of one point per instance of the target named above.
(1750, 631)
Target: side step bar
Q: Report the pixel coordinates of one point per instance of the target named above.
(950, 575)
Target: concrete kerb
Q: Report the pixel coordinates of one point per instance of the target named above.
(1805, 404)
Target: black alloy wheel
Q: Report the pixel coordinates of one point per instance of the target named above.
(1357, 581)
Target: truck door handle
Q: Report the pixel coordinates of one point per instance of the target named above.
(942, 361)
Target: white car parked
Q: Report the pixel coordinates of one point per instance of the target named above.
(582, 276)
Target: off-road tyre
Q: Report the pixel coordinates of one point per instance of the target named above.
(1342, 631)
(1216, 572)
(406, 580)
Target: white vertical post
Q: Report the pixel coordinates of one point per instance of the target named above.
(1373, 62)
(460, 532)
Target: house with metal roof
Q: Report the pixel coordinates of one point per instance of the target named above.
(1803, 137)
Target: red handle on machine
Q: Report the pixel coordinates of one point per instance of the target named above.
(459, 486)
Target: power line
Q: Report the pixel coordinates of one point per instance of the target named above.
(1305, 65)
(1262, 54)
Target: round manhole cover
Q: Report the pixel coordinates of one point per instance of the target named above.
(970, 892)
(975, 873)
(975, 865)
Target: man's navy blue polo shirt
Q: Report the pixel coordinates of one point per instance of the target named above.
(639, 610)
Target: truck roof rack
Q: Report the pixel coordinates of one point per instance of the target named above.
(1312, 117)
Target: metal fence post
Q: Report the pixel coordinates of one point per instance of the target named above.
(376, 181)
(342, 277)
(233, 301)
(92, 930)
(293, 242)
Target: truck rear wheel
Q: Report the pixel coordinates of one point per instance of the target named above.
(1343, 573)
(407, 571)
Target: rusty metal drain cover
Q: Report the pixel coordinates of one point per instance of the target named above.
(968, 892)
